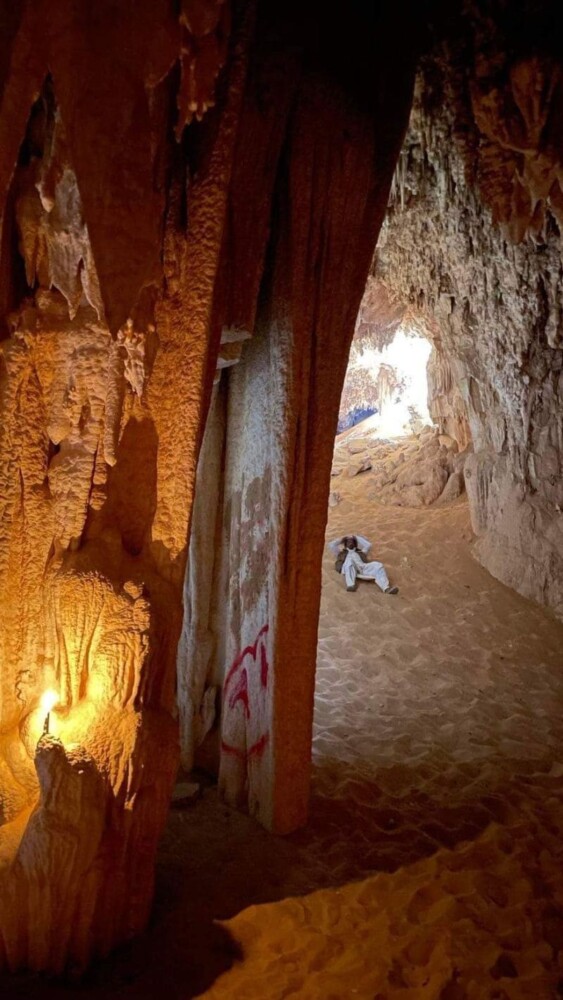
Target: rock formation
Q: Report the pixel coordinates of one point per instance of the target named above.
(379, 319)
(140, 259)
(419, 470)
(471, 247)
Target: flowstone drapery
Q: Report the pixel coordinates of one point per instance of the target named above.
(97, 459)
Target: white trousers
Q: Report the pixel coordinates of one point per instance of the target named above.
(353, 567)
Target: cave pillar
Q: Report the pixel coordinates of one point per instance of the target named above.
(282, 413)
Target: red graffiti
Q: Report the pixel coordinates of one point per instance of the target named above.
(263, 667)
(236, 690)
(251, 651)
(240, 693)
(256, 750)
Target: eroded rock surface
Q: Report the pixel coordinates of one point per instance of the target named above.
(416, 471)
(472, 248)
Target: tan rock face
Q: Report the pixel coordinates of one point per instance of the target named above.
(472, 247)
(358, 465)
(380, 315)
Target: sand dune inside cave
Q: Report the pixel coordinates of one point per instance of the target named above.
(437, 762)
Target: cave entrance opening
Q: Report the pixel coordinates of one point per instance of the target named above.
(387, 385)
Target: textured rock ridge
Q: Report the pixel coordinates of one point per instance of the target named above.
(472, 248)
(93, 533)
(272, 449)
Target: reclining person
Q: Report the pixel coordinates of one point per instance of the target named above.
(352, 560)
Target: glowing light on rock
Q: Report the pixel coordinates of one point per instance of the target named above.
(49, 699)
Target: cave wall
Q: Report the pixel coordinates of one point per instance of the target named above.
(173, 181)
(204, 602)
(471, 246)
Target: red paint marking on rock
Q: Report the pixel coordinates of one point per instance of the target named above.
(256, 750)
(248, 651)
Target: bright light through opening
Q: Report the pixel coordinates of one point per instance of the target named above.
(403, 400)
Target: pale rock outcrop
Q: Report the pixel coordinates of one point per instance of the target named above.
(360, 464)
(445, 400)
(417, 472)
(357, 446)
(366, 390)
(381, 383)
(380, 314)
(414, 471)
(453, 488)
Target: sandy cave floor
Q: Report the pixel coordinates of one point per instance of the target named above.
(438, 764)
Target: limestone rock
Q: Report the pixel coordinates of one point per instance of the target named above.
(123, 258)
(205, 36)
(360, 465)
(459, 460)
(379, 317)
(448, 442)
(453, 488)
(421, 484)
(54, 237)
(416, 471)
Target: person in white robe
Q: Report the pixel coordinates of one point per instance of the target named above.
(351, 553)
